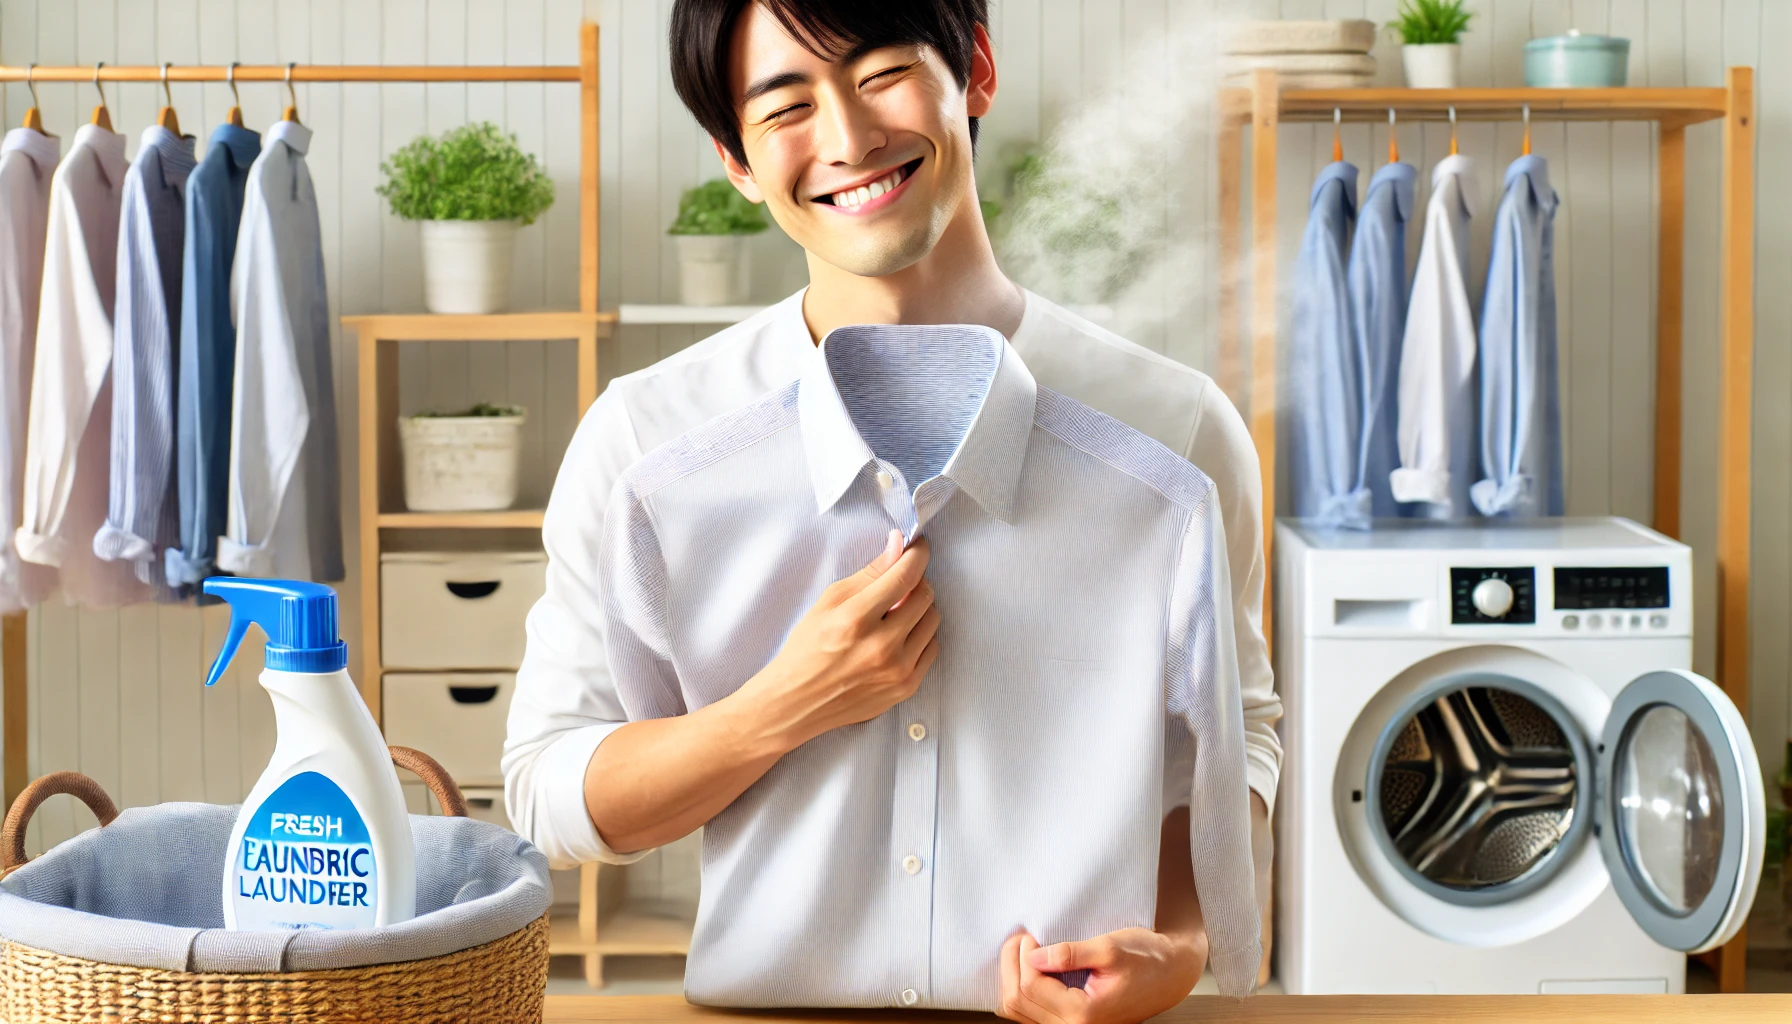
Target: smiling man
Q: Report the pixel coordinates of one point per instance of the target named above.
(856, 124)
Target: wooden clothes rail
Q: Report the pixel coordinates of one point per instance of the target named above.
(1265, 105)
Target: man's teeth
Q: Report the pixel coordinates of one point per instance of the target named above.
(856, 197)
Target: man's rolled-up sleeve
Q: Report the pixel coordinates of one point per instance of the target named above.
(565, 703)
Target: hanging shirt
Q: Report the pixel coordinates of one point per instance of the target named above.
(27, 161)
(68, 447)
(1378, 322)
(143, 514)
(1521, 433)
(214, 212)
(1437, 393)
(1323, 395)
(285, 505)
(565, 702)
(1082, 570)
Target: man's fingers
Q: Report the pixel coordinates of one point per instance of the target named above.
(1044, 997)
(913, 608)
(882, 593)
(1094, 954)
(1009, 1006)
(925, 660)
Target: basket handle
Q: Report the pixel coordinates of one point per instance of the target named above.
(454, 805)
(12, 833)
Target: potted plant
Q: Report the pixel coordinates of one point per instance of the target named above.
(713, 223)
(471, 188)
(1431, 31)
(461, 461)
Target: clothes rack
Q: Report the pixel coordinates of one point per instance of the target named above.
(587, 325)
(1264, 105)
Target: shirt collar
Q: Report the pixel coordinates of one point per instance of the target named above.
(174, 151)
(295, 135)
(1457, 165)
(1535, 170)
(1399, 177)
(987, 462)
(44, 150)
(107, 145)
(1338, 171)
(240, 143)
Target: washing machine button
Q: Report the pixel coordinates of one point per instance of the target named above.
(1636, 622)
(1658, 622)
(1570, 622)
(1492, 597)
(1594, 622)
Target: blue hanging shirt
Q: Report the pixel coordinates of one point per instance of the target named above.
(1378, 325)
(1322, 401)
(1521, 434)
(207, 351)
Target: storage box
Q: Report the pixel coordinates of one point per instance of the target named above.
(459, 715)
(457, 610)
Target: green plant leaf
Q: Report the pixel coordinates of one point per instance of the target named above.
(716, 207)
(474, 172)
(480, 410)
(1423, 22)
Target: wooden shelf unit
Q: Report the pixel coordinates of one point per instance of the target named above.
(1264, 105)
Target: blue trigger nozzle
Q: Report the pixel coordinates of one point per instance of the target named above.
(298, 617)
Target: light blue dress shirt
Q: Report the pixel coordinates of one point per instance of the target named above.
(207, 351)
(1082, 575)
(1521, 433)
(142, 513)
(1322, 400)
(1378, 325)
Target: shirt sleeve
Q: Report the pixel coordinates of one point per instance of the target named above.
(566, 702)
(1202, 691)
(1221, 448)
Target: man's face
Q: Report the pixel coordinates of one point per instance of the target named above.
(862, 160)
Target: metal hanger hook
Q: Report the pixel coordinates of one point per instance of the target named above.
(97, 65)
(1452, 129)
(30, 83)
(291, 96)
(230, 79)
(167, 94)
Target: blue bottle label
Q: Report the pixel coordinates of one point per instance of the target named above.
(305, 861)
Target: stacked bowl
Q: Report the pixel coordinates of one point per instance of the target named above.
(1304, 54)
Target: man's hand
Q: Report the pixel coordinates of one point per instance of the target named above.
(1133, 974)
(862, 649)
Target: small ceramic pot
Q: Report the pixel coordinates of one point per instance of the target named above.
(1576, 61)
(712, 269)
(1431, 65)
(466, 265)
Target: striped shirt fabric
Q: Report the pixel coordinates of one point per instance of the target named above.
(1081, 571)
(143, 514)
(27, 160)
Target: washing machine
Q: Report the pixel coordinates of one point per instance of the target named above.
(1501, 773)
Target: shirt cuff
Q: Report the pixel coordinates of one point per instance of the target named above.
(112, 544)
(44, 549)
(1260, 774)
(245, 559)
(183, 571)
(1420, 485)
(560, 773)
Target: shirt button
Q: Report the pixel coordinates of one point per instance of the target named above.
(910, 997)
(884, 479)
(911, 864)
(917, 732)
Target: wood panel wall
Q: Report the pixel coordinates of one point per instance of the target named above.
(118, 694)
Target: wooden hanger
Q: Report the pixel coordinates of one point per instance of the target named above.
(1393, 138)
(101, 116)
(167, 118)
(235, 116)
(292, 107)
(1452, 129)
(33, 119)
(1527, 129)
(1337, 138)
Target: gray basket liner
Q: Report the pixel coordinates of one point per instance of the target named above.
(145, 892)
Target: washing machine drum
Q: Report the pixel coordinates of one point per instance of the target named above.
(1480, 788)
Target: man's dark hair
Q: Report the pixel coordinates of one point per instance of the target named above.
(831, 29)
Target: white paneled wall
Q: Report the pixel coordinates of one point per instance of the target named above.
(117, 694)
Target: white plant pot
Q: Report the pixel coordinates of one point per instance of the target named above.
(712, 269)
(466, 265)
(1431, 65)
(460, 463)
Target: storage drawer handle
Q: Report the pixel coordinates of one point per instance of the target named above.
(473, 694)
(474, 591)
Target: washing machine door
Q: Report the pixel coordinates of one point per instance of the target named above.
(1682, 811)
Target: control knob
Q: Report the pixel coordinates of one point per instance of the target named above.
(1492, 598)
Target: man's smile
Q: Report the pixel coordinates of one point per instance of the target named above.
(873, 194)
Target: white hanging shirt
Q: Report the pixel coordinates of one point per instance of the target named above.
(69, 440)
(1438, 396)
(285, 503)
(1081, 569)
(27, 160)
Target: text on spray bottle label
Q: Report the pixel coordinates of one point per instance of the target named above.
(305, 861)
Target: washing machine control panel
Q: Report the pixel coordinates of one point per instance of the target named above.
(1487, 594)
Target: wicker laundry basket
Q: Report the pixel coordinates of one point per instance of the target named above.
(499, 981)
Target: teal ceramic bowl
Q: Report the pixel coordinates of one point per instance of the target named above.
(1575, 61)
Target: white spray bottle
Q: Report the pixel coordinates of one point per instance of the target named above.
(323, 840)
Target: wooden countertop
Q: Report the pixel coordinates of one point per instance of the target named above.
(1219, 1010)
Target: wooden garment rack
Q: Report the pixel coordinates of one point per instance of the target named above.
(379, 334)
(1264, 105)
